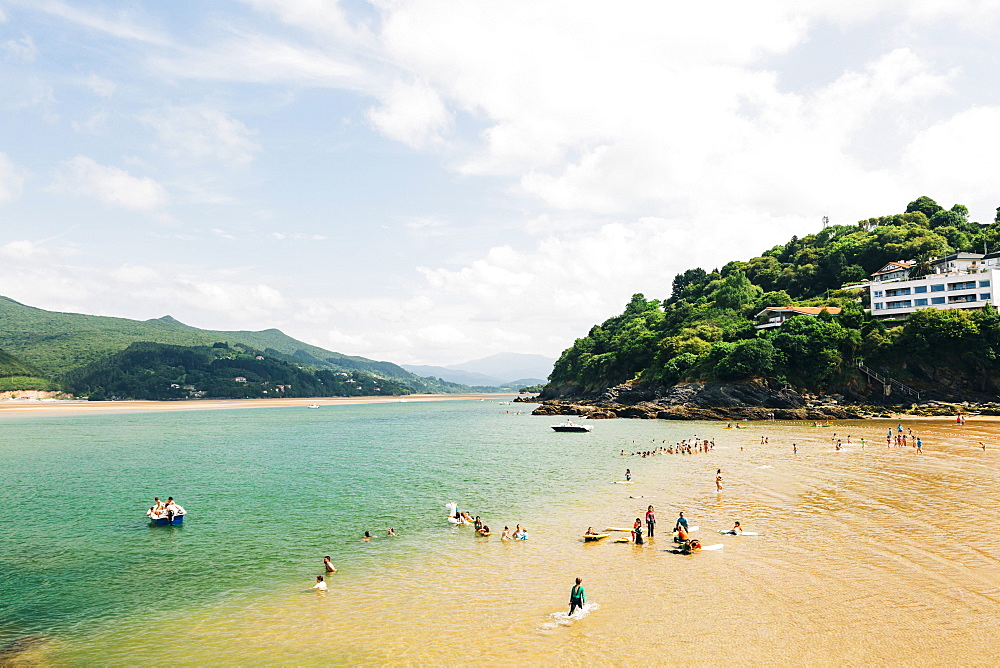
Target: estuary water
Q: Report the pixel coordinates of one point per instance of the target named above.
(873, 555)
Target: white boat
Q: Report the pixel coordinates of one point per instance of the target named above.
(570, 426)
(313, 406)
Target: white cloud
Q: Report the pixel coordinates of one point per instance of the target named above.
(23, 49)
(121, 26)
(108, 184)
(11, 179)
(411, 113)
(195, 135)
(100, 86)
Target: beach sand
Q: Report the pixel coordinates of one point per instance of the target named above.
(22, 406)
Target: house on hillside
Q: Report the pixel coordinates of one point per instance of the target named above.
(894, 271)
(959, 280)
(773, 316)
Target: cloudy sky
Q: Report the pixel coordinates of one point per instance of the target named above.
(435, 181)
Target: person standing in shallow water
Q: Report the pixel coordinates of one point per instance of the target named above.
(650, 521)
(637, 532)
(718, 480)
(577, 596)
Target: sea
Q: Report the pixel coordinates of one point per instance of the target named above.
(866, 555)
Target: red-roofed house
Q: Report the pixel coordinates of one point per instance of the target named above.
(778, 314)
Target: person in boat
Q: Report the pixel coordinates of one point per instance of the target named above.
(484, 530)
(155, 514)
(320, 584)
(159, 505)
(173, 509)
(328, 565)
(506, 533)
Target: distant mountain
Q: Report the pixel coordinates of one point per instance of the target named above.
(56, 343)
(502, 369)
(453, 375)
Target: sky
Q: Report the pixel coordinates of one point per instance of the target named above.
(430, 182)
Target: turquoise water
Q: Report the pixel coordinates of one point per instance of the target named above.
(268, 491)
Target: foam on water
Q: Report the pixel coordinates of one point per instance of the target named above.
(560, 619)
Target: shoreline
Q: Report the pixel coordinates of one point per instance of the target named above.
(66, 406)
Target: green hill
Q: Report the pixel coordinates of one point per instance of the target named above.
(16, 375)
(704, 331)
(56, 343)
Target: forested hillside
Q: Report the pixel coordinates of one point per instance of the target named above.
(704, 331)
(56, 345)
(159, 371)
(17, 375)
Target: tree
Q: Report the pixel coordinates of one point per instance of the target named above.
(924, 205)
(736, 292)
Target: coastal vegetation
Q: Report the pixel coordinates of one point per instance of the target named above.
(704, 330)
(100, 356)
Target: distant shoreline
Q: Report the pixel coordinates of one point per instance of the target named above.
(65, 406)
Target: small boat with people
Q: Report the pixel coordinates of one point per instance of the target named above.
(313, 406)
(569, 425)
(165, 514)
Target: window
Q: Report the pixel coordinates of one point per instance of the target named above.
(937, 288)
(904, 303)
(984, 284)
(920, 288)
(961, 299)
(920, 302)
(967, 285)
(985, 296)
(937, 300)
(878, 293)
(897, 292)
(878, 305)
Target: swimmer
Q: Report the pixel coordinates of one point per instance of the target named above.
(390, 532)
(328, 566)
(320, 584)
(628, 474)
(367, 538)
(483, 530)
(506, 533)
(718, 479)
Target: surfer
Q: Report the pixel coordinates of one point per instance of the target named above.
(637, 532)
(650, 521)
(681, 523)
(590, 532)
(328, 566)
(577, 596)
(736, 530)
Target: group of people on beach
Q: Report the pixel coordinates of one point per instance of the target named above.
(459, 517)
(160, 510)
(689, 446)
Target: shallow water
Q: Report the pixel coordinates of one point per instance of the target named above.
(866, 556)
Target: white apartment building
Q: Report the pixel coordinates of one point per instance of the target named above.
(960, 280)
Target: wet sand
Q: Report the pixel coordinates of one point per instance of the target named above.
(22, 407)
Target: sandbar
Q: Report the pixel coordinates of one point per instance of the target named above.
(66, 406)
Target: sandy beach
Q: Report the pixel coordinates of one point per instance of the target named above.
(22, 406)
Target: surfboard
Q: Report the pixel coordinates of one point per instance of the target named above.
(618, 529)
(622, 482)
(623, 540)
(598, 536)
(729, 532)
(717, 546)
(689, 530)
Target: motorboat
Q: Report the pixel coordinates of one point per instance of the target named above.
(568, 425)
(313, 406)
